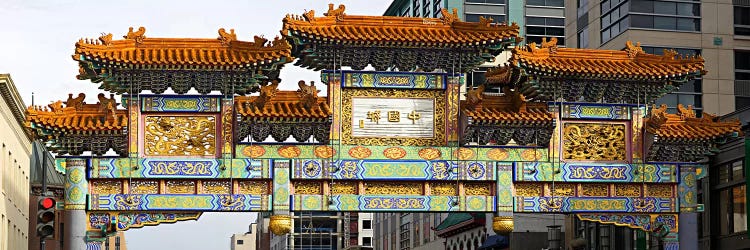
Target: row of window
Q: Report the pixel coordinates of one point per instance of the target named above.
(742, 21)
(619, 15)
(742, 78)
(731, 189)
(690, 93)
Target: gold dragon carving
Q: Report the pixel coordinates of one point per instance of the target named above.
(393, 188)
(443, 188)
(307, 187)
(479, 189)
(253, 187)
(180, 136)
(595, 142)
(344, 188)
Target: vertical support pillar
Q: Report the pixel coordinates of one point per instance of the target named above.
(76, 190)
(687, 236)
(453, 96)
(227, 134)
(334, 102)
(281, 221)
(134, 116)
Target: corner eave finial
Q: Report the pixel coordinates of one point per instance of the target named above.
(227, 38)
(633, 50)
(338, 12)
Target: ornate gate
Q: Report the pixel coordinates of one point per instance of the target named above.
(568, 131)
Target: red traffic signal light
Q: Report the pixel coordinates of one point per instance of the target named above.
(45, 217)
(46, 203)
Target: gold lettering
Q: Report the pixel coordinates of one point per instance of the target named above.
(394, 116)
(374, 116)
(414, 116)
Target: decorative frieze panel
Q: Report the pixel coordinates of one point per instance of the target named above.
(584, 205)
(582, 189)
(411, 80)
(391, 203)
(196, 168)
(646, 222)
(180, 104)
(193, 135)
(190, 202)
(596, 111)
(529, 135)
(393, 170)
(594, 141)
(360, 152)
(596, 172)
(178, 186)
(128, 220)
(301, 130)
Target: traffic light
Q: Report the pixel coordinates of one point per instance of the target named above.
(45, 217)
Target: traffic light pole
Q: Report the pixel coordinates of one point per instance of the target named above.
(43, 239)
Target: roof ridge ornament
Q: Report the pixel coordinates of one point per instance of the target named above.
(308, 94)
(474, 96)
(106, 39)
(266, 93)
(76, 103)
(309, 15)
(259, 41)
(338, 12)
(227, 38)
(138, 36)
(551, 45)
(633, 50)
(447, 17)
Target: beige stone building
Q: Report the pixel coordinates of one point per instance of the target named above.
(719, 30)
(15, 152)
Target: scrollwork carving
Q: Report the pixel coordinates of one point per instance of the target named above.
(393, 188)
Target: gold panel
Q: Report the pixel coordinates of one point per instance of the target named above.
(564, 189)
(307, 187)
(528, 189)
(594, 190)
(386, 188)
(216, 187)
(439, 120)
(347, 187)
(594, 142)
(484, 189)
(180, 136)
(180, 187)
(106, 187)
(628, 190)
(144, 187)
(253, 187)
(443, 188)
(661, 191)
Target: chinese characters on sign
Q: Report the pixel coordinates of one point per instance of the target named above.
(393, 116)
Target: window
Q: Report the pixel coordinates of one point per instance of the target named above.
(742, 21)
(404, 233)
(689, 93)
(475, 17)
(487, 1)
(741, 79)
(367, 241)
(425, 8)
(437, 5)
(366, 224)
(405, 12)
(732, 202)
(415, 8)
(553, 3)
(240, 242)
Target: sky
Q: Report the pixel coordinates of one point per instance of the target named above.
(37, 39)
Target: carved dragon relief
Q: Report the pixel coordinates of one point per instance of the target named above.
(196, 136)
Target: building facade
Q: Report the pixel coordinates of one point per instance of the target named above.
(422, 231)
(537, 18)
(724, 193)
(15, 154)
(245, 241)
(718, 30)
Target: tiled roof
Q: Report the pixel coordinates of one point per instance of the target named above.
(630, 63)
(684, 125)
(84, 118)
(138, 50)
(508, 108)
(443, 32)
(453, 224)
(284, 104)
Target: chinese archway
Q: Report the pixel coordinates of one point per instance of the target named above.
(554, 130)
